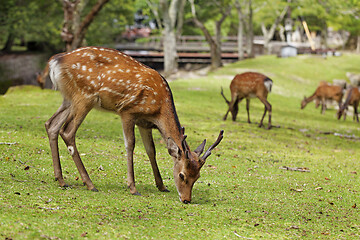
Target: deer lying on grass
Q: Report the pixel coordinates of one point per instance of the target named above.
(322, 93)
(94, 77)
(353, 99)
(249, 85)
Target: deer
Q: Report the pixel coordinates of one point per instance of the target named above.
(41, 77)
(353, 98)
(322, 93)
(107, 79)
(249, 85)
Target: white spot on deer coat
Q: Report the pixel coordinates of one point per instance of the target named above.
(71, 150)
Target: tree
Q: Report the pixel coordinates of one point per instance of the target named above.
(269, 33)
(245, 28)
(74, 29)
(220, 9)
(25, 21)
(172, 20)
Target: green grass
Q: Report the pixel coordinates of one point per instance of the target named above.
(242, 194)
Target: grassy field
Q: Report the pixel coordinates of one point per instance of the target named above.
(243, 192)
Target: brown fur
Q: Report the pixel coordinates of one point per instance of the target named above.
(108, 79)
(353, 99)
(322, 93)
(248, 85)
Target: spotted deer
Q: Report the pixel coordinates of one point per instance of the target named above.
(322, 93)
(249, 85)
(353, 99)
(95, 77)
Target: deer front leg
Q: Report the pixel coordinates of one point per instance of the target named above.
(52, 127)
(146, 136)
(129, 138)
(226, 114)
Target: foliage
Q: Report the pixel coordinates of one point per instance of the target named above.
(36, 20)
(111, 22)
(243, 190)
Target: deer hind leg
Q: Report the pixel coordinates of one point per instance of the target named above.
(267, 108)
(146, 136)
(248, 109)
(52, 127)
(68, 132)
(128, 125)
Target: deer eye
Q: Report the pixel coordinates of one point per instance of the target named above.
(182, 176)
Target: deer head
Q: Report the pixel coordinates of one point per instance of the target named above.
(187, 164)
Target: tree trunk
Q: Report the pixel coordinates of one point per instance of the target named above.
(269, 34)
(169, 35)
(215, 50)
(250, 43)
(9, 43)
(170, 53)
(240, 35)
(358, 45)
(74, 30)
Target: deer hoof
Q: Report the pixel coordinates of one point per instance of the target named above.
(94, 189)
(136, 193)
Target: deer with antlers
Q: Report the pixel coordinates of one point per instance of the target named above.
(95, 77)
(353, 99)
(322, 93)
(249, 85)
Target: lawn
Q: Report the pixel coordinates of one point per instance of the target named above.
(247, 188)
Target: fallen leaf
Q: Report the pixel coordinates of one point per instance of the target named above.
(318, 188)
(326, 178)
(26, 168)
(84, 234)
(353, 172)
(296, 190)
(354, 206)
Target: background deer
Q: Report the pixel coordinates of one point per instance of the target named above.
(353, 99)
(249, 85)
(93, 77)
(322, 93)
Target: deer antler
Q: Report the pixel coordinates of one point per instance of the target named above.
(184, 145)
(208, 152)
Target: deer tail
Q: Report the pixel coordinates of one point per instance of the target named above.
(268, 84)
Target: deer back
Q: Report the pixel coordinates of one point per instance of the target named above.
(251, 84)
(109, 79)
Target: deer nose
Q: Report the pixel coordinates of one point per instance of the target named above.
(186, 201)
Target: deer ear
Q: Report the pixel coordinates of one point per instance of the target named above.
(199, 150)
(173, 148)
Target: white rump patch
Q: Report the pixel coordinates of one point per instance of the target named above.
(55, 72)
(268, 84)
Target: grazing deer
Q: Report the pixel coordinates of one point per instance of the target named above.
(353, 98)
(94, 77)
(249, 85)
(41, 77)
(322, 93)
